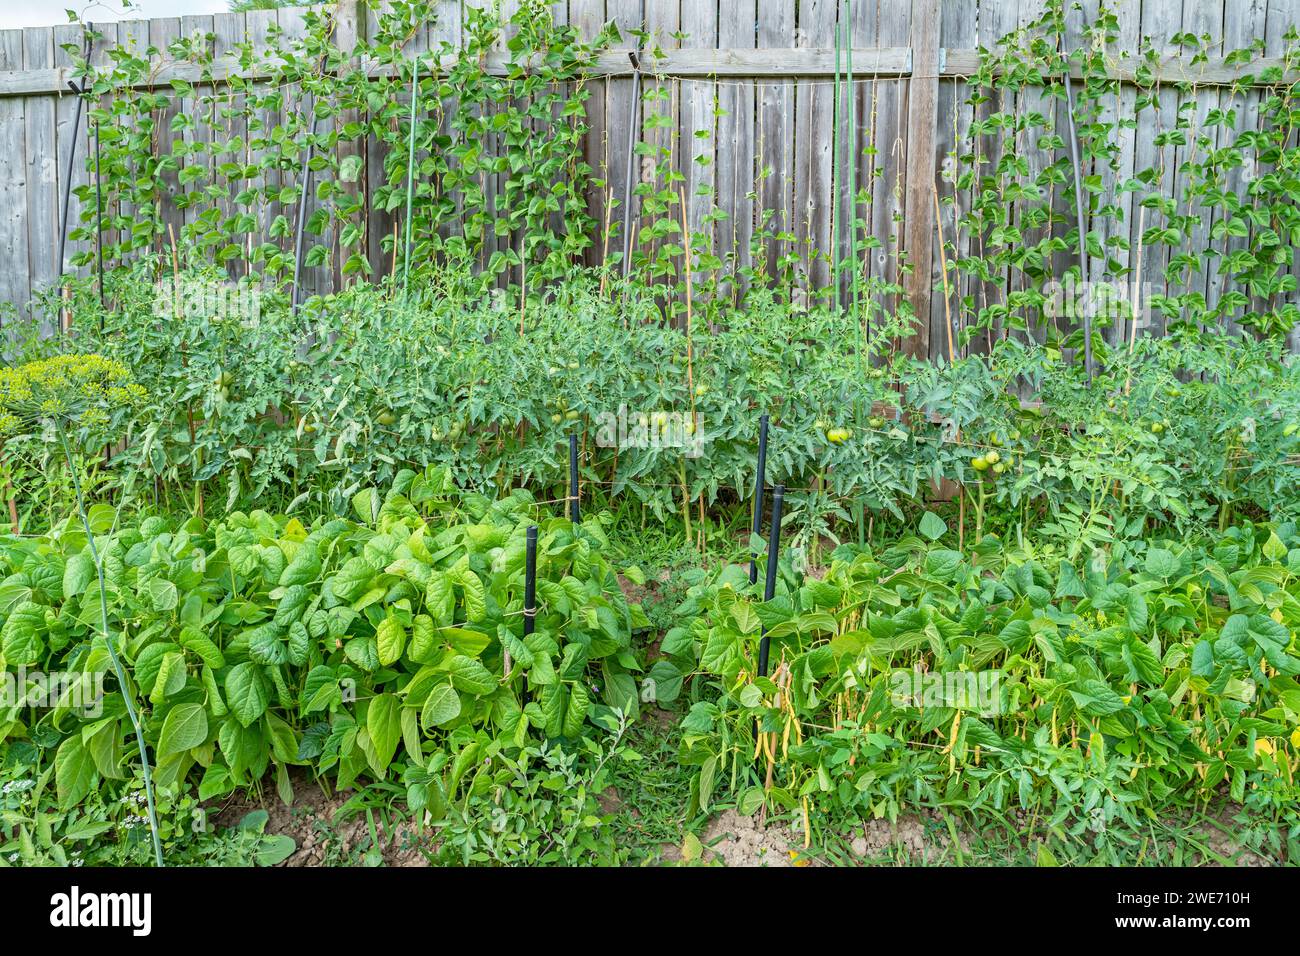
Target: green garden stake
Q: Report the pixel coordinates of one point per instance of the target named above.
(410, 173)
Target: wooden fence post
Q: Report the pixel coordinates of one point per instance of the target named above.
(918, 208)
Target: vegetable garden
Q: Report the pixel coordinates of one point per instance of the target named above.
(392, 448)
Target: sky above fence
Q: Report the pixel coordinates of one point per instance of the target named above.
(47, 13)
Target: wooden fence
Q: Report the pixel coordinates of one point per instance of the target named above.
(750, 84)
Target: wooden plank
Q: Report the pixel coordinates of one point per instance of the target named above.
(883, 108)
(870, 113)
(15, 287)
(43, 174)
(231, 131)
(1059, 198)
(952, 140)
(996, 20)
(447, 29)
(1120, 243)
(622, 114)
(1202, 20)
(720, 62)
(813, 136)
(265, 183)
(1169, 67)
(298, 107)
(588, 18)
(163, 32)
(736, 20)
(1243, 22)
(659, 112)
(774, 147)
(494, 185)
(348, 37)
(1281, 17)
(918, 208)
(379, 221)
(696, 152)
(198, 32)
(1161, 19)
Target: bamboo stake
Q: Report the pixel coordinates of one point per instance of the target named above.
(1137, 299)
(943, 272)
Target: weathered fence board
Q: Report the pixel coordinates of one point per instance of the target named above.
(43, 177)
(15, 283)
(814, 135)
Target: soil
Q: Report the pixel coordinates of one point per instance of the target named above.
(311, 822)
(736, 840)
(914, 839)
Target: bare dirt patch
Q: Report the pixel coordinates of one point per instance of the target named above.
(737, 840)
(314, 822)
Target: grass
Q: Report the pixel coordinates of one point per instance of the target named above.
(652, 794)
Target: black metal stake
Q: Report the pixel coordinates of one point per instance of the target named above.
(769, 587)
(305, 176)
(759, 490)
(573, 478)
(67, 180)
(72, 149)
(530, 580)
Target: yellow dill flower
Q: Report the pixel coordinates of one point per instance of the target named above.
(65, 386)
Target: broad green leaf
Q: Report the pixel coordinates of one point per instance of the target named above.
(384, 723)
(441, 707)
(186, 726)
(74, 772)
(247, 694)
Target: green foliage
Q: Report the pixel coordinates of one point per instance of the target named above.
(1121, 685)
(309, 407)
(1234, 213)
(388, 644)
(303, 102)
